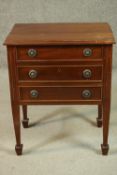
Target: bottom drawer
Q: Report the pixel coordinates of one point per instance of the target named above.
(59, 93)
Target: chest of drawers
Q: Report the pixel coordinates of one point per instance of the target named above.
(60, 64)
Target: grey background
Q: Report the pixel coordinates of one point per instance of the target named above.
(28, 11)
(63, 140)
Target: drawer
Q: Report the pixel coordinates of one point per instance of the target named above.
(59, 93)
(36, 53)
(60, 72)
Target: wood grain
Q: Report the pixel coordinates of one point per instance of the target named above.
(60, 34)
(59, 93)
(59, 52)
(59, 72)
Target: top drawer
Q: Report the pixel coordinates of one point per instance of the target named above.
(35, 53)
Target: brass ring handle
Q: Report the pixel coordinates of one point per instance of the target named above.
(33, 74)
(87, 52)
(32, 52)
(86, 94)
(34, 93)
(87, 73)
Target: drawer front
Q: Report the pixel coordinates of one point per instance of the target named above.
(33, 94)
(59, 72)
(35, 53)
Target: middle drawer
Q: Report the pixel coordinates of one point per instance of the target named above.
(60, 72)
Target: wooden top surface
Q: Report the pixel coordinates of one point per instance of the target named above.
(60, 33)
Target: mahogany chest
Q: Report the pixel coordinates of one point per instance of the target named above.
(60, 63)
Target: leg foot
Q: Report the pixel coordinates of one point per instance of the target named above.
(18, 149)
(25, 122)
(105, 149)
